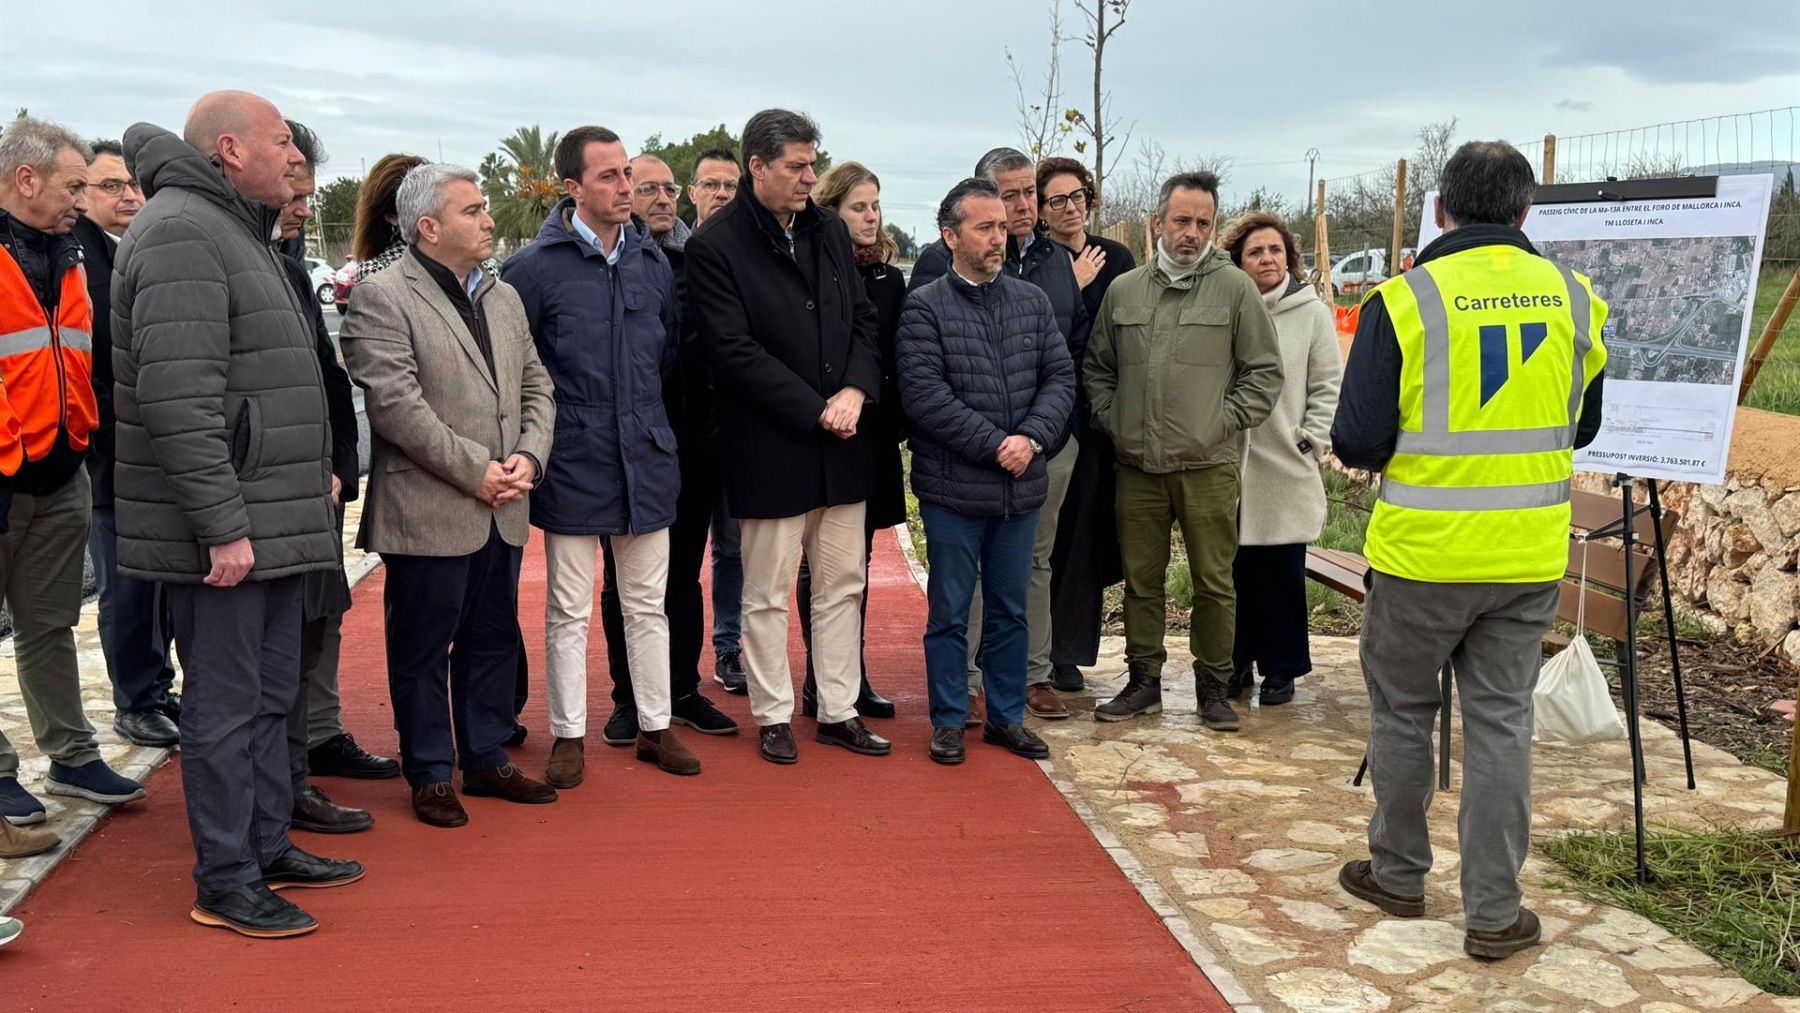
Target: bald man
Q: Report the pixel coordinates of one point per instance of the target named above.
(223, 484)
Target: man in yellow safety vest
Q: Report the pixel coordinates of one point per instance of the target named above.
(1473, 379)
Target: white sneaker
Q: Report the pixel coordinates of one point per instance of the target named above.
(10, 929)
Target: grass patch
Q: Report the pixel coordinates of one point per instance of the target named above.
(1769, 760)
(1777, 387)
(1346, 522)
(1732, 893)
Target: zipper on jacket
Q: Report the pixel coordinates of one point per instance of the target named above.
(996, 317)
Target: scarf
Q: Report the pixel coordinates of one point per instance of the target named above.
(1175, 272)
(376, 264)
(867, 255)
(1273, 297)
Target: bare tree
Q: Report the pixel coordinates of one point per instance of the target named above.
(1041, 123)
(1105, 18)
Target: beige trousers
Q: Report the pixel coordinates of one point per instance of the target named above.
(833, 540)
(643, 562)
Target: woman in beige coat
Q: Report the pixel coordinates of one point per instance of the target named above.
(1283, 500)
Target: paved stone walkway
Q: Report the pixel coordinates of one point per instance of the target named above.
(73, 819)
(1236, 840)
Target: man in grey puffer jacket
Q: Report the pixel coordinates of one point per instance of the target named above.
(223, 483)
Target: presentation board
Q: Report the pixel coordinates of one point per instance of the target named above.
(1679, 278)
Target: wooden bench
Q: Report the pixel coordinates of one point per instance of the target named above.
(1344, 571)
(1602, 592)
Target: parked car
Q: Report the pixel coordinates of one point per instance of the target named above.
(324, 280)
(342, 282)
(1356, 273)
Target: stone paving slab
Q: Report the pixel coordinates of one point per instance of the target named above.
(1236, 840)
(73, 819)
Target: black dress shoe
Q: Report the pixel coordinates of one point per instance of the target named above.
(947, 746)
(854, 736)
(314, 812)
(296, 868)
(148, 728)
(1242, 678)
(809, 695)
(171, 705)
(251, 910)
(1016, 738)
(1067, 679)
(778, 744)
(517, 738)
(340, 756)
(871, 704)
(1276, 692)
(697, 712)
(621, 727)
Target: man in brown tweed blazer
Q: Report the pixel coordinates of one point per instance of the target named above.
(462, 415)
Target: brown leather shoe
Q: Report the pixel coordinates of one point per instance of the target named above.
(23, 842)
(507, 782)
(977, 712)
(437, 805)
(1041, 700)
(1358, 880)
(666, 751)
(1523, 933)
(565, 767)
(777, 743)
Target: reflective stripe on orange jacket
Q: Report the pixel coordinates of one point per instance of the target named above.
(46, 365)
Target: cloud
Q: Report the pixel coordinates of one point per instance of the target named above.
(1684, 48)
(1569, 105)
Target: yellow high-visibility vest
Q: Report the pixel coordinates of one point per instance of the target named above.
(1497, 348)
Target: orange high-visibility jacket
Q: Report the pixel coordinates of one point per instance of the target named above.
(46, 366)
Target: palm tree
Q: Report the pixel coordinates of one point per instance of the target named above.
(520, 182)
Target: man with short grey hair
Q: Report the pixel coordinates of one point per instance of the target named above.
(460, 417)
(223, 484)
(1469, 540)
(1036, 258)
(46, 353)
(1184, 360)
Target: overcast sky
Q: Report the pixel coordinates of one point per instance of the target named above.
(916, 90)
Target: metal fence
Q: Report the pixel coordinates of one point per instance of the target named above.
(1359, 209)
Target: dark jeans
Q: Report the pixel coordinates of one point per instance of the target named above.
(727, 581)
(1271, 611)
(240, 660)
(998, 552)
(683, 600)
(460, 610)
(803, 597)
(137, 654)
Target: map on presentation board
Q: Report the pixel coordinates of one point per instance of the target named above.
(1679, 277)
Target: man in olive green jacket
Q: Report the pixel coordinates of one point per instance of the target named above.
(1182, 361)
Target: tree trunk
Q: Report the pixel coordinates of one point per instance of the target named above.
(1099, 125)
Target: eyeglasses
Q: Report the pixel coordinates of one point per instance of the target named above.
(715, 185)
(1079, 198)
(115, 187)
(668, 190)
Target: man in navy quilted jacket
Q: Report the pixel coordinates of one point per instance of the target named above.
(986, 383)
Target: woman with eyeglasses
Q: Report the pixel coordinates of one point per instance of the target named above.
(854, 193)
(1085, 560)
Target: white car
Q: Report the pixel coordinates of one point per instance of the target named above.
(322, 280)
(1358, 272)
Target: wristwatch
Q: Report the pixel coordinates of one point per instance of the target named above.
(1036, 447)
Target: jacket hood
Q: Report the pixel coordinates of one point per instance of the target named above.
(677, 238)
(163, 161)
(1298, 294)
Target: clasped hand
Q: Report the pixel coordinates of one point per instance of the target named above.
(842, 412)
(504, 483)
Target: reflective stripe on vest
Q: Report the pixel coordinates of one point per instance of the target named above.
(1497, 348)
(1436, 438)
(46, 365)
